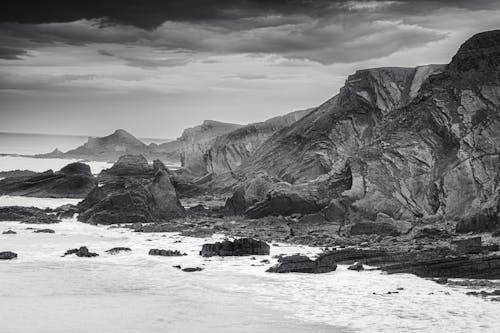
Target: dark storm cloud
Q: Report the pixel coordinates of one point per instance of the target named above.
(152, 13)
(322, 31)
(11, 53)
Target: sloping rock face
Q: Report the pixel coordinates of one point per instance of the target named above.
(132, 191)
(230, 150)
(420, 141)
(196, 141)
(73, 181)
(238, 247)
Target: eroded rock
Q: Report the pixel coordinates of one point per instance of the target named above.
(238, 247)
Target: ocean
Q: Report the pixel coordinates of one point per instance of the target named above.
(42, 291)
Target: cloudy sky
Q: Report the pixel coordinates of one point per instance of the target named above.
(155, 67)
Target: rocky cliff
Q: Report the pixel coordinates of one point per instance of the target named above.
(230, 150)
(421, 142)
(195, 142)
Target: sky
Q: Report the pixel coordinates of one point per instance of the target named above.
(156, 67)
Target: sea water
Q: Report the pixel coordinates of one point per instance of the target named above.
(41, 291)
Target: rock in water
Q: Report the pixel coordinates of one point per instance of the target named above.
(7, 255)
(30, 215)
(238, 247)
(83, 251)
(357, 266)
(132, 192)
(192, 269)
(302, 264)
(44, 231)
(117, 250)
(75, 180)
(166, 253)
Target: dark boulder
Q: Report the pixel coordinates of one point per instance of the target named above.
(238, 247)
(117, 250)
(7, 255)
(26, 215)
(83, 251)
(236, 204)
(302, 264)
(166, 253)
(281, 203)
(192, 269)
(9, 232)
(44, 231)
(132, 192)
(73, 181)
(357, 266)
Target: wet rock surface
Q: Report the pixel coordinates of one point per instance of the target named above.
(73, 181)
(8, 255)
(119, 249)
(30, 215)
(82, 252)
(166, 253)
(303, 264)
(44, 231)
(192, 269)
(238, 247)
(132, 191)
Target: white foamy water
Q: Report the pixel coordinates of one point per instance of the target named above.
(8, 163)
(8, 200)
(134, 292)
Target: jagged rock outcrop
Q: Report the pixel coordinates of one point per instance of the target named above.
(166, 253)
(261, 197)
(230, 150)
(302, 264)
(238, 247)
(82, 252)
(420, 141)
(75, 180)
(132, 191)
(30, 215)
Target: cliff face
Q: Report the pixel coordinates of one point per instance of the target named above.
(195, 142)
(230, 150)
(421, 141)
